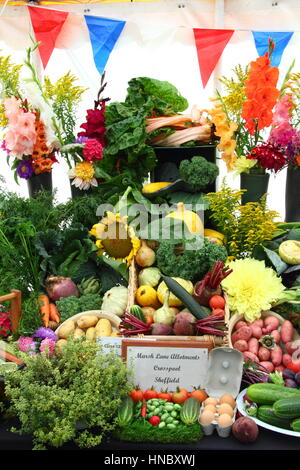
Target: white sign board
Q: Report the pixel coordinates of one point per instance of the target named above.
(167, 365)
(114, 344)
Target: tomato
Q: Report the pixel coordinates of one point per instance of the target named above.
(199, 394)
(136, 394)
(216, 301)
(149, 394)
(154, 420)
(218, 312)
(294, 365)
(164, 396)
(180, 395)
(149, 319)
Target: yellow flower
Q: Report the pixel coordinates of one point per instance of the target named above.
(225, 130)
(115, 238)
(83, 175)
(244, 165)
(251, 288)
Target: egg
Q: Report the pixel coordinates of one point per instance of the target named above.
(226, 398)
(207, 416)
(210, 407)
(224, 420)
(225, 408)
(211, 401)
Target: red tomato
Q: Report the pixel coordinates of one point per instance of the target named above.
(218, 312)
(294, 365)
(216, 301)
(149, 394)
(136, 394)
(154, 420)
(180, 395)
(164, 396)
(199, 394)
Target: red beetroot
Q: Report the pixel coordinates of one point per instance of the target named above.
(245, 429)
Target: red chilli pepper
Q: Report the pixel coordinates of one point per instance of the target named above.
(144, 409)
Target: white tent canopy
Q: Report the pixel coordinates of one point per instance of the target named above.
(158, 42)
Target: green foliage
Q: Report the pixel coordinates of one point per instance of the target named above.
(188, 264)
(31, 318)
(72, 305)
(198, 173)
(142, 431)
(244, 226)
(53, 397)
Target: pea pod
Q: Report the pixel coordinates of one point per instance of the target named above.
(162, 424)
(169, 420)
(169, 407)
(173, 414)
(175, 421)
(177, 407)
(171, 426)
(164, 416)
(157, 410)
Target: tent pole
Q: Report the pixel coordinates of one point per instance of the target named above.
(219, 13)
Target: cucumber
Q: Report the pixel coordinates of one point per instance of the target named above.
(190, 411)
(295, 425)
(137, 312)
(125, 412)
(188, 300)
(267, 393)
(287, 407)
(267, 414)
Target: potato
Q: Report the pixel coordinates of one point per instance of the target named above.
(60, 344)
(240, 324)
(286, 359)
(264, 354)
(78, 333)
(249, 355)
(86, 321)
(287, 331)
(266, 365)
(276, 335)
(256, 331)
(276, 355)
(244, 332)
(115, 334)
(253, 345)
(66, 329)
(91, 334)
(103, 327)
(241, 345)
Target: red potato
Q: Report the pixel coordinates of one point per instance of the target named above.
(249, 355)
(286, 358)
(279, 368)
(276, 355)
(267, 365)
(241, 345)
(291, 347)
(271, 323)
(244, 332)
(264, 354)
(276, 335)
(286, 331)
(258, 322)
(256, 331)
(253, 345)
(240, 324)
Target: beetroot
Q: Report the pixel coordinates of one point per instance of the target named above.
(184, 324)
(161, 329)
(59, 286)
(245, 429)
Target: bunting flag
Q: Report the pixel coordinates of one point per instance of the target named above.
(104, 34)
(210, 44)
(280, 39)
(46, 25)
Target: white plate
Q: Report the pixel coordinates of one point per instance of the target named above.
(240, 407)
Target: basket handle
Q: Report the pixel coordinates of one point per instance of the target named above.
(15, 298)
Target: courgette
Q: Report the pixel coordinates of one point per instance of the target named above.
(295, 425)
(137, 312)
(188, 300)
(267, 393)
(267, 414)
(287, 407)
(125, 412)
(189, 413)
(162, 189)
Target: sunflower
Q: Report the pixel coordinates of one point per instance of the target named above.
(116, 238)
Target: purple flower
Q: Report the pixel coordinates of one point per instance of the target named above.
(25, 169)
(43, 333)
(81, 140)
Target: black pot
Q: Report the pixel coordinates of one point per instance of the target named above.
(169, 158)
(256, 185)
(292, 195)
(38, 183)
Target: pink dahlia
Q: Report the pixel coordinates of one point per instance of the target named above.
(47, 346)
(26, 344)
(92, 150)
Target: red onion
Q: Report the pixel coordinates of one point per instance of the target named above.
(59, 286)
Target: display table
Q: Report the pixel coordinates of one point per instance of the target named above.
(267, 440)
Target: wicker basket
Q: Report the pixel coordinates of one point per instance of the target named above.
(215, 340)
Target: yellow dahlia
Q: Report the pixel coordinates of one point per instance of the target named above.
(116, 238)
(83, 175)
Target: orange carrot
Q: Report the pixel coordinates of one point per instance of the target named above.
(54, 314)
(10, 357)
(44, 303)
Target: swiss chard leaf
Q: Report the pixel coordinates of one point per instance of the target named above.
(270, 257)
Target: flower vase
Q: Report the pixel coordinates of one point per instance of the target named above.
(42, 182)
(292, 195)
(256, 185)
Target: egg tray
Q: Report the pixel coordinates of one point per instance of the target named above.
(210, 428)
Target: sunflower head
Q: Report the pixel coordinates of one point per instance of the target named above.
(116, 238)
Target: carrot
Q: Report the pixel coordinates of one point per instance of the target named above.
(54, 314)
(44, 308)
(10, 357)
(144, 409)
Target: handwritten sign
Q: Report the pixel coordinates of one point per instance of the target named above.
(167, 364)
(113, 344)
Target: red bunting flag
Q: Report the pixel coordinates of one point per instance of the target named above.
(210, 44)
(46, 25)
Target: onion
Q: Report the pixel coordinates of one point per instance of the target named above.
(59, 286)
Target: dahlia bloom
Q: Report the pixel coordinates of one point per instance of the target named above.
(26, 344)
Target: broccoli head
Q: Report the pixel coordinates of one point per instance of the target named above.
(191, 265)
(198, 172)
